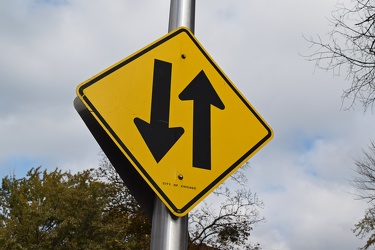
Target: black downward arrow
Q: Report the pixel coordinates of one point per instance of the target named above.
(204, 95)
(157, 134)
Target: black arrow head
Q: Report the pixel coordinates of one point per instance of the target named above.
(200, 89)
(158, 136)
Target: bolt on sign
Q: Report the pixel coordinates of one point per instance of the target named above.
(177, 117)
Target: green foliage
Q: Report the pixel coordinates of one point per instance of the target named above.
(365, 227)
(60, 210)
(94, 210)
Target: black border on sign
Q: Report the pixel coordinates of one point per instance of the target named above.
(131, 156)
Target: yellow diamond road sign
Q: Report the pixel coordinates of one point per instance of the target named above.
(177, 117)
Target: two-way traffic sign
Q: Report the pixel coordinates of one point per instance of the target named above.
(177, 117)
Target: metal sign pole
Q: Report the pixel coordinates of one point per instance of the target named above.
(168, 231)
(182, 13)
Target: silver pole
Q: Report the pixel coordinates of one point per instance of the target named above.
(182, 13)
(170, 232)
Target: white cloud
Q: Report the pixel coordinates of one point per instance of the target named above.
(48, 47)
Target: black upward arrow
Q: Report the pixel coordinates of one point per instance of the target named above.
(157, 134)
(203, 94)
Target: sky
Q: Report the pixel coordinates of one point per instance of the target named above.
(48, 47)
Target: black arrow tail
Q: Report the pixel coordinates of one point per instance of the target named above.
(161, 92)
(200, 90)
(157, 134)
(202, 135)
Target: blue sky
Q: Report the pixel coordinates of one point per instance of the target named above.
(48, 47)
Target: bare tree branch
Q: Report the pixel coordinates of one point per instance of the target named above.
(365, 184)
(350, 47)
(230, 226)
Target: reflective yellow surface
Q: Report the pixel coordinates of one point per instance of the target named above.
(123, 92)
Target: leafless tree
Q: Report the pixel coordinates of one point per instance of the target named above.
(350, 49)
(227, 226)
(211, 226)
(365, 184)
